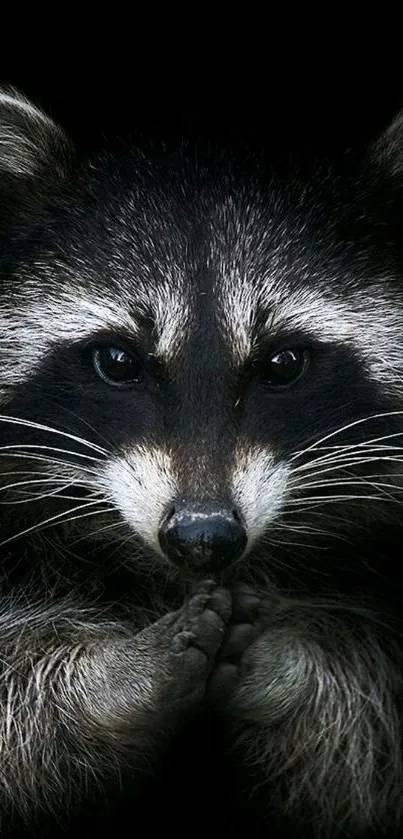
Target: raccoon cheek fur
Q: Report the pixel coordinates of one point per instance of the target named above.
(315, 712)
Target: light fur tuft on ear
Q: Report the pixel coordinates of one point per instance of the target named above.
(387, 151)
(35, 155)
(29, 139)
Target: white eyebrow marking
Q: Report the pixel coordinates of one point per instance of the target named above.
(38, 323)
(254, 277)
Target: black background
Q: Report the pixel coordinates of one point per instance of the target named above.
(279, 103)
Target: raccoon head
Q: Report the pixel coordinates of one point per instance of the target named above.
(197, 349)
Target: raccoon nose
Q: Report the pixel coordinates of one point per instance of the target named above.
(201, 535)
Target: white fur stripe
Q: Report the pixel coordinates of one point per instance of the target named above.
(259, 488)
(141, 485)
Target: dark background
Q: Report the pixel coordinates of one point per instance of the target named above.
(279, 104)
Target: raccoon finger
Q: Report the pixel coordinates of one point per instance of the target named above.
(239, 636)
(246, 604)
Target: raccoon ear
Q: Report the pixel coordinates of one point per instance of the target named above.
(35, 154)
(387, 151)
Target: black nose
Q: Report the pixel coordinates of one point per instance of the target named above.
(202, 535)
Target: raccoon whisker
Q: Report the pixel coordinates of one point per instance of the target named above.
(49, 461)
(57, 493)
(337, 457)
(32, 498)
(360, 451)
(44, 480)
(341, 468)
(73, 518)
(357, 481)
(385, 487)
(277, 563)
(41, 427)
(324, 519)
(121, 544)
(53, 461)
(318, 512)
(370, 442)
(292, 544)
(345, 472)
(60, 483)
(346, 427)
(286, 543)
(305, 529)
(365, 443)
(385, 494)
(54, 494)
(333, 472)
(330, 499)
(346, 458)
(98, 530)
(20, 472)
(344, 477)
(34, 447)
(104, 510)
(109, 443)
(380, 447)
(59, 517)
(338, 466)
(29, 481)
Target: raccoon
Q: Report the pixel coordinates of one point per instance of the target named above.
(201, 424)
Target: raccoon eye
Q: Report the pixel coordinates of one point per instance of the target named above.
(116, 367)
(285, 367)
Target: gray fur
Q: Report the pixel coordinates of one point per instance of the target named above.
(120, 696)
(321, 713)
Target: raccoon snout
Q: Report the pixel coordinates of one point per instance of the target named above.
(202, 535)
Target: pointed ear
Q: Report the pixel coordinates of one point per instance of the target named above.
(387, 151)
(35, 154)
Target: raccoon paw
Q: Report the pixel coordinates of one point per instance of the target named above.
(197, 634)
(245, 627)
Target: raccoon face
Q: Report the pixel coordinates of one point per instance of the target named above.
(194, 351)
